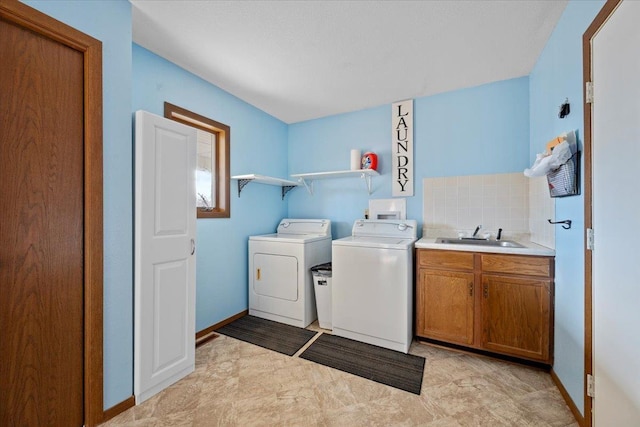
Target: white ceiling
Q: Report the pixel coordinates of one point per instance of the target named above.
(301, 60)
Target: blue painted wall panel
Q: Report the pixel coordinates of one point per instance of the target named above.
(556, 76)
(478, 130)
(258, 145)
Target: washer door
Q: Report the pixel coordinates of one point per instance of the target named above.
(275, 276)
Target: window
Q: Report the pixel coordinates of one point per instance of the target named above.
(205, 178)
(212, 171)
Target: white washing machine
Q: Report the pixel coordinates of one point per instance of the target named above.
(373, 283)
(280, 280)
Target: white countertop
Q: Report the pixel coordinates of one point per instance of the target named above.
(529, 247)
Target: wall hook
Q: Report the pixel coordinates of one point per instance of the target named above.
(566, 224)
(565, 109)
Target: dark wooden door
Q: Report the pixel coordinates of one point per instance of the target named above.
(41, 230)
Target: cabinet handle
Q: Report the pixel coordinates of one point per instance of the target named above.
(470, 289)
(258, 274)
(486, 291)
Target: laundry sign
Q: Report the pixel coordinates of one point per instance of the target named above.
(402, 148)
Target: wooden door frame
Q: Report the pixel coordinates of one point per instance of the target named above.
(597, 23)
(24, 16)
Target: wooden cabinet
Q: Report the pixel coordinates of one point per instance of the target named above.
(445, 299)
(498, 303)
(515, 316)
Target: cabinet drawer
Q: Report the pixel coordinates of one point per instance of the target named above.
(521, 265)
(445, 259)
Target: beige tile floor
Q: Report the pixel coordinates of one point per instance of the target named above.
(239, 384)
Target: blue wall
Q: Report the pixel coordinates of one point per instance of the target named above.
(110, 22)
(258, 145)
(556, 76)
(480, 130)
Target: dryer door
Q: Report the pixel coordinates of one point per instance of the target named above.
(275, 276)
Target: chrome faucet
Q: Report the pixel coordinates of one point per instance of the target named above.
(475, 233)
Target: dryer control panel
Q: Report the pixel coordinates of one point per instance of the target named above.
(316, 227)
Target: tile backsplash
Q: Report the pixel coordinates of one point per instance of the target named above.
(541, 208)
(460, 203)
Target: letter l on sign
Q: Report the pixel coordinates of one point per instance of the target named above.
(402, 148)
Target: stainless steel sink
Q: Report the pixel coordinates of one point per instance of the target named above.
(479, 242)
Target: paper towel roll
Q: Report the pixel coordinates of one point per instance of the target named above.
(355, 160)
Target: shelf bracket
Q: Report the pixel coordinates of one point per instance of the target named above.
(367, 179)
(242, 183)
(286, 189)
(308, 186)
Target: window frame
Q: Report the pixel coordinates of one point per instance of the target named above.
(222, 163)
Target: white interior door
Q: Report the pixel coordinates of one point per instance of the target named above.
(165, 223)
(616, 218)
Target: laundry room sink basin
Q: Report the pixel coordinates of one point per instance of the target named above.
(479, 242)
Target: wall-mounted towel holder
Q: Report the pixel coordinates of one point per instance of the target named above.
(566, 224)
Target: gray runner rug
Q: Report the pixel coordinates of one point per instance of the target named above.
(393, 368)
(285, 339)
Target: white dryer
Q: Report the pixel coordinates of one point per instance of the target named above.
(280, 280)
(373, 283)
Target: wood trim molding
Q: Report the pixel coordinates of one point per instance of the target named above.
(602, 16)
(206, 331)
(565, 395)
(222, 323)
(40, 23)
(93, 227)
(205, 338)
(45, 25)
(119, 408)
(208, 334)
(223, 160)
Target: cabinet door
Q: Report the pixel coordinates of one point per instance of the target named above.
(516, 316)
(445, 306)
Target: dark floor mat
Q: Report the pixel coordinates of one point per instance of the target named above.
(393, 368)
(285, 339)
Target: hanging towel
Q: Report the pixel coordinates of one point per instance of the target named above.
(559, 151)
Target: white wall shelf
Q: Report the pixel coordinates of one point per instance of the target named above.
(262, 179)
(307, 178)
